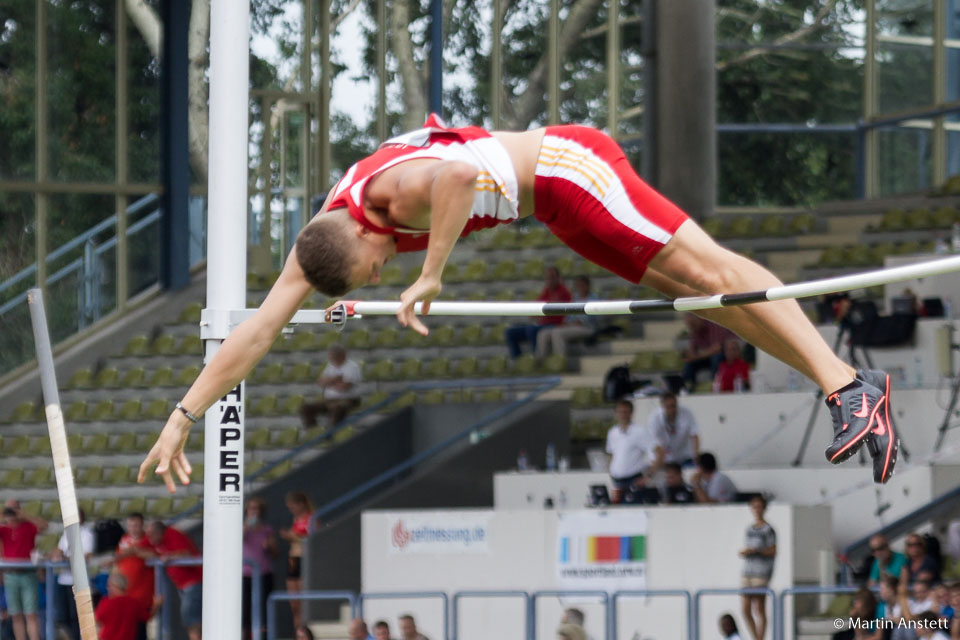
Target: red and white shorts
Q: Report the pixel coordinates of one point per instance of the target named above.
(589, 196)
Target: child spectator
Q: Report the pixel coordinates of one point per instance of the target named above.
(728, 628)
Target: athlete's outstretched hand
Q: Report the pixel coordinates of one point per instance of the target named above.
(425, 289)
(167, 454)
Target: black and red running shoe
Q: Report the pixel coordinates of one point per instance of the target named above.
(854, 410)
(883, 441)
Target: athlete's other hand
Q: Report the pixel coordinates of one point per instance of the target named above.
(167, 454)
(424, 290)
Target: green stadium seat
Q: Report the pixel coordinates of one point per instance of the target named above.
(39, 446)
(557, 363)
(108, 378)
(533, 269)
(303, 341)
(190, 345)
(160, 507)
(157, 409)
(87, 505)
(880, 251)
(471, 335)
(81, 379)
(24, 412)
(162, 377)
(47, 542)
(358, 339)
(859, 255)
(832, 257)
(197, 476)
(476, 295)
(494, 367)
(164, 345)
(371, 399)
(270, 374)
(669, 361)
(943, 217)
(488, 395)
(346, 433)
(583, 398)
(465, 368)
(188, 375)
(137, 504)
(408, 369)
(278, 471)
(327, 339)
(644, 362)
(76, 412)
(137, 346)
(298, 373)
(252, 467)
(908, 248)
(96, 443)
(392, 275)
(291, 405)
(525, 365)
(285, 438)
(191, 313)
(15, 445)
(125, 442)
(116, 476)
(134, 378)
(505, 295)
(386, 338)
(894, 220)
(101, 411)
(436, 368)
(32, 508)
(771, 226)
(258, 438)
(382, 370)
(51, 510)
(195, 441)
(503, 238)
(506, 270)
(451, 272)
(89, 476)
(185, 504)
(145, 440)
(267, 405)
(12, 478)
(713, 226)
(129, 411)
(475, 271)
(433, 396)
(107, 508)
(38, 477)
(741, 227)
(442, 336)
(75, 443)
(919, 219)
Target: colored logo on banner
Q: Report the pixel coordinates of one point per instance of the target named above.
(440, 533)
(607, 549)
(602, 550)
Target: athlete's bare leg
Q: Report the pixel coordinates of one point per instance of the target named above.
(734, 318)
(694, 259)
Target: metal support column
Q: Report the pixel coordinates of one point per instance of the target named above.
(553, 63)
(324, 162)
(496, 62)
(436, 56)
(381, 70)
(122, 159)
(871, 174)
(613, 65)
(41, 200)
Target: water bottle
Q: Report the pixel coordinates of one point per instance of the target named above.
(955, 237)
(917, 372)
(564, 464)
(563, 498)
(523, 462)
(738, 385)
(551, 457)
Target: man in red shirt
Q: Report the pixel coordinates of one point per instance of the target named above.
(733, 368)
(118, 615)
(132, 551)
(170, 543)
(18, 534)
(553, 291)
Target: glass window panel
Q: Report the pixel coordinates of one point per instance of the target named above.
(905, 17)
(143, 243)
(904, 156)
(953, 153)
(953, 71)
(790, 86)
(780, 169)
(18, 95)
(81, 59)
(143, 110)
(78, 277)
(905, 76)
(17, 241)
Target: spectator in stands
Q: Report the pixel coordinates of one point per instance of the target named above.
(301, 508)
(709, 485)
(408, 628)
(758, 553)
(341, 393)
(129, 561)
(633, 452)
(260, 546)
(169, 543)
(914, 601)
(65, 602)
(733, 374)
(571, 632)
(941, 593)
(886, 561)
(358, 630)
(919, 565)
(18, 535)
(863, 613)
(888, 605)
(705, 349)
(572, 615)
(675, 430)
(118, 615)
(304, 633)
(582, 327)
(930, 627)
(728, 628)
(381, 630)
(553, 291)
(675, 489)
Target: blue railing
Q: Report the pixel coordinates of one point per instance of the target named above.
(602, 596)
(762, 591)
(399, 595)
(780, 632)
(278, 596)
(613, 622)
(460, 595)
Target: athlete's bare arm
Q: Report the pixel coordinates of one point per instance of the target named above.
(435, 195)
(235, 358)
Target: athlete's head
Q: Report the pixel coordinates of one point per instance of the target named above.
(338, 254)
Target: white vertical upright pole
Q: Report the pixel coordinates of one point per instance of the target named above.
(226, 289)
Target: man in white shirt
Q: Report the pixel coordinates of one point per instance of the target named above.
(66, 605)
(676, 431)
(633, 452)
(341, 393)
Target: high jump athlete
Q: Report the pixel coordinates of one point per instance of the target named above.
(425, 189)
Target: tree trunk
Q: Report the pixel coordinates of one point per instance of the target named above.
(414, 93)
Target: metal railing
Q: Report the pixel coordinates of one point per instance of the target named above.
(460, 595)
(399, 595)
(602, 596)
(613, 623)
(278, 596)
(764, 591)
(781, 631)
